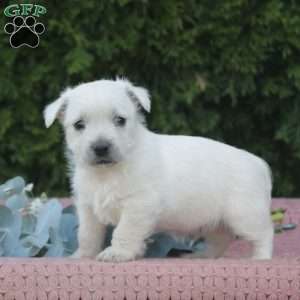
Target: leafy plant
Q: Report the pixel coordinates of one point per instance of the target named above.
(34, 226)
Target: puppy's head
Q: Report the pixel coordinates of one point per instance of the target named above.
(101, 120)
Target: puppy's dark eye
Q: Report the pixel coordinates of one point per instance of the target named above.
(120, 121)
(79, 125)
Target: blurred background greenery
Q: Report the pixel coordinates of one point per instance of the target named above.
(228, 70)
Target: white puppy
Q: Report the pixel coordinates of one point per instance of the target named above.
(142, 182)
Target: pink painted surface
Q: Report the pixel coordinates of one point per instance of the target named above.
(226, 278)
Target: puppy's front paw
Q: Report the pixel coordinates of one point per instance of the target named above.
(113, 254)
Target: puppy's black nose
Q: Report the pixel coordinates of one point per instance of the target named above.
(101, 148)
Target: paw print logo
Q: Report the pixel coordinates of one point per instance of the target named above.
(24, 32)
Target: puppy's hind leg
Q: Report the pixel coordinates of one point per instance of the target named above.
(263, 244)
(257, 228)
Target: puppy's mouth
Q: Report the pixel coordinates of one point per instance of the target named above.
(104, 162)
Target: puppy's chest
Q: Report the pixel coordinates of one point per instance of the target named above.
(107, 204)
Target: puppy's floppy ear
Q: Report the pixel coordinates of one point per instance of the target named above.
(141, 96)
(138, 94)
(55, 109)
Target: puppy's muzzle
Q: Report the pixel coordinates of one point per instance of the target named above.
(101, 148)
(102, 152)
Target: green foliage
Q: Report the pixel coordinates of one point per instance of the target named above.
(228, 70)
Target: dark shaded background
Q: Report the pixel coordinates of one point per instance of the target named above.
(229, 70)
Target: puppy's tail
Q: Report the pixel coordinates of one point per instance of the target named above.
(268, 179)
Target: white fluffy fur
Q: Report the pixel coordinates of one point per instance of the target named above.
(178, 184)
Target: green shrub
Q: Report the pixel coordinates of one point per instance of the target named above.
(228, 70)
